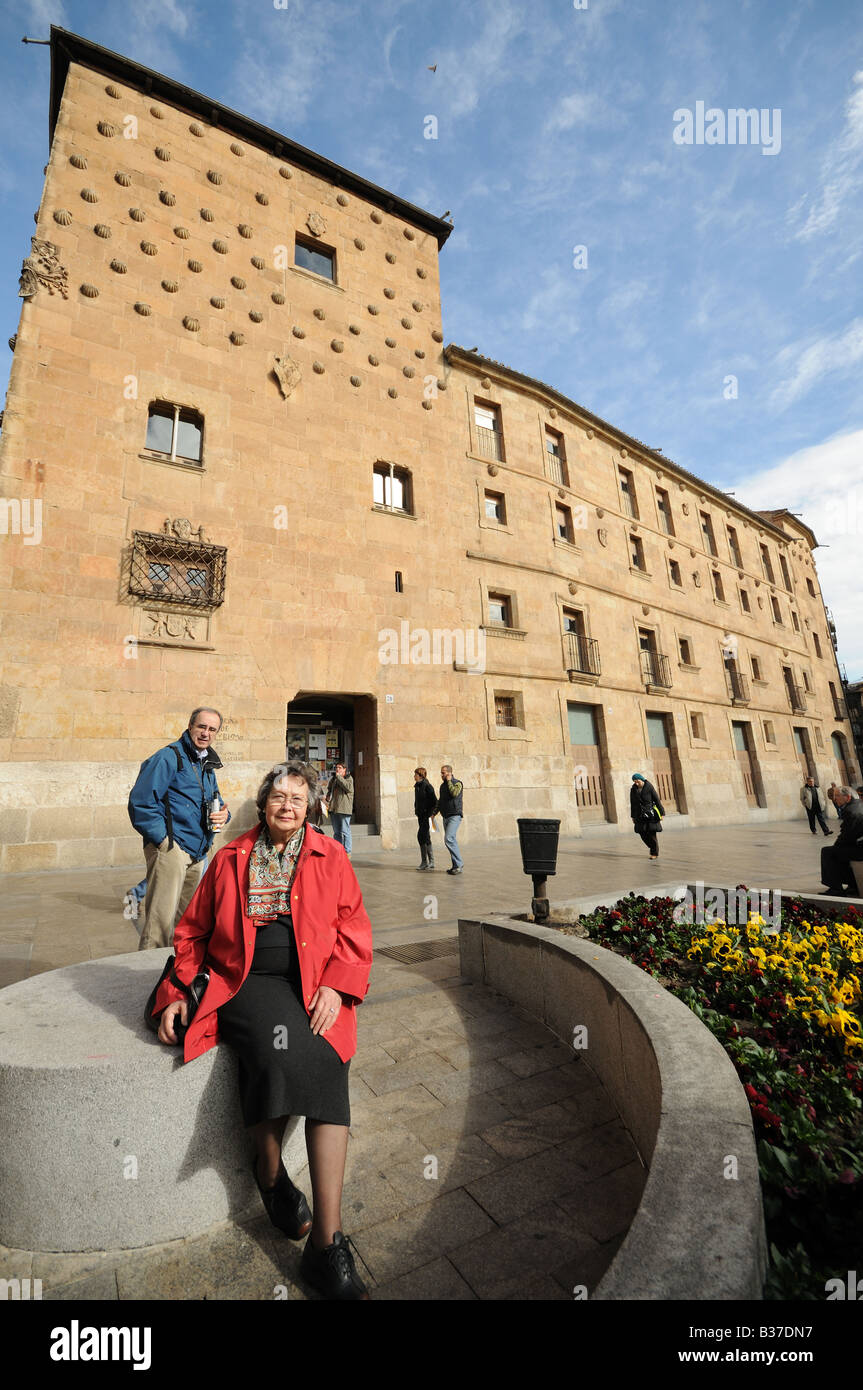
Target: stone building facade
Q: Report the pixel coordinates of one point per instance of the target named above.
(238, 467)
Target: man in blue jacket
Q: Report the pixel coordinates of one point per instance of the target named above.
(170, 805)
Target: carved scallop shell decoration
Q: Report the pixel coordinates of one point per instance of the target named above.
(341, 200)
(137, 214)
(171, 286)
(374, 361)
(102, 230)
(195, 266)
(238, 338)
(214, 176)
(192, 324)
(119, 267)
(437, 335)
(63, 216)
(208, 215)
(441, 386)
(122, 178)
(196, 129)
(390, 342)
(486, 383)
(392, 392)
(262, 199)
(409, 371)
(285, 172)
(298, 332)
(406, 323)
(319, 368)
(149, 248)
(143, 309)
(78, 161)
(418, 352)
(113, 92)
(355, 329)
(238, 282)
(162, 153)
(373, 309)
(245, 230)
(390, 257)
(418, 305)
(375, 216)
(106, 128)
(256, 316)
(427, 405)
(421, 272)
(356, 381)
(157, 112)
(182, 233)
(359, 243)
(221, 247)
(90, 291)
(169, 199)
(259, 263)
(337, 345)
(277, 297)
(319, 313)
(217, 302)
(237, 150)
(389, 293)
(89, 195)
(409, 234)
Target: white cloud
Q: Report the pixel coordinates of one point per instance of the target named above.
(824, 483)
(840, 176)
(803, 366)
(579, 108)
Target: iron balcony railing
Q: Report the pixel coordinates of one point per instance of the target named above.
(796, 699)
(488, 442)
(738, 686)
(656, 669)
(582, 654)
(554, 469)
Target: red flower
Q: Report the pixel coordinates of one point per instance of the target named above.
(848, 1176)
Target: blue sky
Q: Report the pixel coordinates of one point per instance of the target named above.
(555, 130)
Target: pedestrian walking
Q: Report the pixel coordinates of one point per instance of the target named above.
(647, 811)
(425, 807)
(176, 806)
(815, 803)
(838, 859)
(340, 800)
(451, 802)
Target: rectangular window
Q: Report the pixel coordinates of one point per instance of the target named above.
(573, 621)
(663, 507)
(810, 586)
(808, 688)
(718, 590)
(391, 488)
(312, 255)
(777, 611)
(563, 524)
(795, 621)
(767, 564)
(499, 610)
(786, 577)
(744, 601)
(627, 492)
(816, 641)
(555, 458)
(175, 432)
(488, 432)
(756, 668)
(636, 554)
(495, 508)
(685, 651)
(696, 724)
(707, 533)
(504, 712)
(674, 571)
(734, 548)
(769, 731)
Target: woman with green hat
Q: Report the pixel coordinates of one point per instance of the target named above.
(647, 811)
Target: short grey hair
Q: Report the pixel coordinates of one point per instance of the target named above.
(294, 768)
(846, 791)
(204, 709)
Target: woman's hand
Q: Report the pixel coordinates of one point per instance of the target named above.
(166, 1032)
(325, 1007)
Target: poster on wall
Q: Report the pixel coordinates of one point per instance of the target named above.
(317, 747)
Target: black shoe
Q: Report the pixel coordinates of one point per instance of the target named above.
(421, 868)
(453, 871)
(286, 1205)
(331, 1271)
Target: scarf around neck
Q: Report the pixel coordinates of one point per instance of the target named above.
(271, 875)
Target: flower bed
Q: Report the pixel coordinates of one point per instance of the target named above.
(786, 1005)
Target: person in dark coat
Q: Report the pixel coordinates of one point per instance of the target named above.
(838, 859)
(644, 805)
(425, 806)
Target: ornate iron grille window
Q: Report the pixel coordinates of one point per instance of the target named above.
(191, 573)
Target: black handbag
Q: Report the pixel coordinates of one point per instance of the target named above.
(194, 994)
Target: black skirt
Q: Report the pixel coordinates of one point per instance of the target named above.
(285, 1069)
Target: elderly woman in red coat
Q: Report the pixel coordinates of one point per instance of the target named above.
(278, 922)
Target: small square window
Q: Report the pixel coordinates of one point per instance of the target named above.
(696, 724)
(504, 712)
(196, 579)
(685, 651)
(174, 431)
(158, 574)
(499, 610)
(311, 255)
(391, 488)
(674, 571)
(563, 524)
(495, 507)
(769, 731)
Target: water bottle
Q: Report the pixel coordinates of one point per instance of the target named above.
(211, 811)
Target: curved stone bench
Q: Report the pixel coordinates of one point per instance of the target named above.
(109, 1141)
(698, 1233)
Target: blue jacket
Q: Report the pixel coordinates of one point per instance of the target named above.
(188, 787)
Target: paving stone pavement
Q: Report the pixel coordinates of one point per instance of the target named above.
(486, 1161)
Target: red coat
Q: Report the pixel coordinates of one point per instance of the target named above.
(331, 926)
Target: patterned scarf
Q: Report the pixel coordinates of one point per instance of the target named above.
(271, 875)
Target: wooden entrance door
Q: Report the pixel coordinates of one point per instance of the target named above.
(802, 746)
(660, 752)
(743, 749)
(841, 760)
(587, 762)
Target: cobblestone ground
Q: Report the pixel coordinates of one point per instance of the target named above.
(486, 1161)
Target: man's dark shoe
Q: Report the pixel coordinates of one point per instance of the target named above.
(453, 871)
(331, 1271)
(286, 1205)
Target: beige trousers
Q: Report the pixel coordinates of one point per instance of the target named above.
(172, 877)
